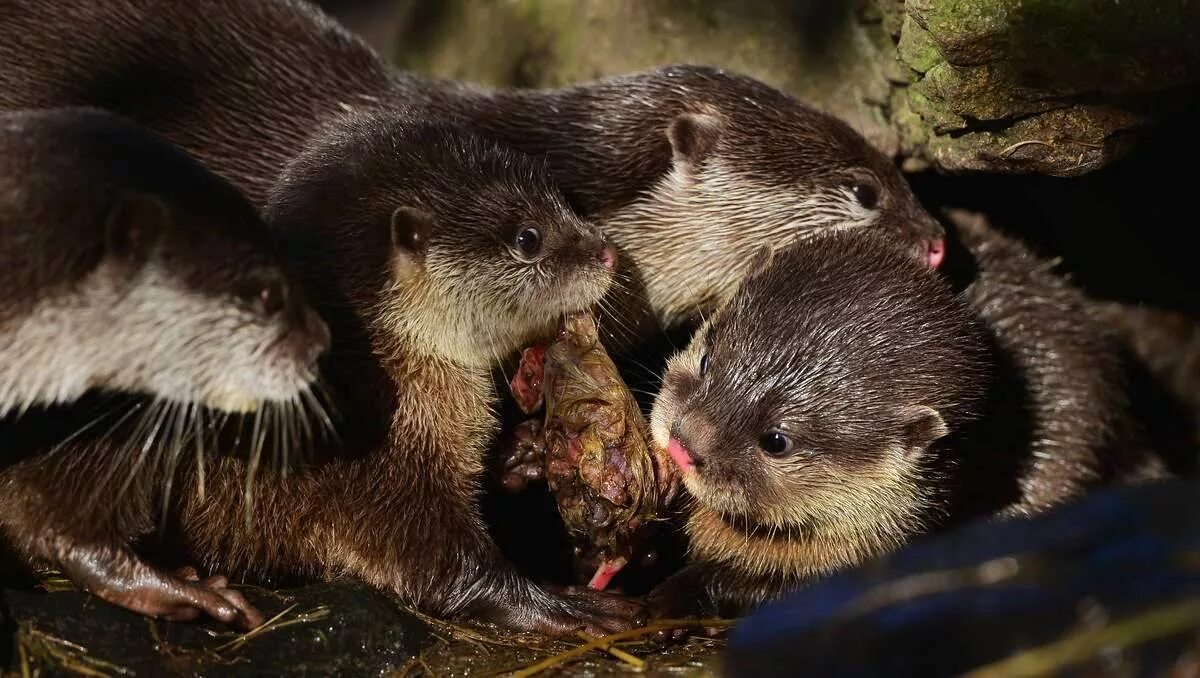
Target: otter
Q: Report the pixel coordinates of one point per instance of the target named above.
(128, 267)
(674, 155)
(440, 254)
(848, 400)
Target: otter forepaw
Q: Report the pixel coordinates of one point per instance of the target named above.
(122, 579)
(526, 462)
(574, 609)
(595, 612)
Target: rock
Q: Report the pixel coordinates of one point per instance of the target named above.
(1109, 584)
(340, 628)
(1037, 85)
(1012, 86)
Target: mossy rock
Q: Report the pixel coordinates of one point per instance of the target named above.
(1048, 86)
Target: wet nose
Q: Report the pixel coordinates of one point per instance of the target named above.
(681, 451)
(935, 252)
(608, 256)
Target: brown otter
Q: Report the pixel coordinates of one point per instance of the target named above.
(127, 266)
(672, 155)
(847, 400)
(441, 253)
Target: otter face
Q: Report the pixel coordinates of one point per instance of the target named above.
(139, 270)
(814, 399)
(751, 166)
(441, 236)
(201, 313)
(510, 261)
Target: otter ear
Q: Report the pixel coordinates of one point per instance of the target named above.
(411, 228)
(922, 426)
(134, 223)
(692, 137)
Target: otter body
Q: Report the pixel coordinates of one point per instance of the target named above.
(848, 400)
(126, 266)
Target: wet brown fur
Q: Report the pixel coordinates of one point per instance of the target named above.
(240, 84)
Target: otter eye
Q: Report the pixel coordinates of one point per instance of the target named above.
(703, 364)
(529, 241)
(265, 296)
(866, 194)
(775, 443)
(271, 298)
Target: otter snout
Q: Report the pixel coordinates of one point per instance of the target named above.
(691, 438)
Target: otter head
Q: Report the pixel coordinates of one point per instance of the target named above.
(750, 166)
(811, 406)
(146, 273)
(444, 238)
(209, 315)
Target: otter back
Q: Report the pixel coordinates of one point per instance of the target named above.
(239, 84)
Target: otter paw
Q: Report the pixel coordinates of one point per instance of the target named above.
(574, 609)
(596, 612)
(183, 599)
(526, 462)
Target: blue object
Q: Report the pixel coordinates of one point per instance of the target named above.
(982, 593)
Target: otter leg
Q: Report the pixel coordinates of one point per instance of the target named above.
(46, 518)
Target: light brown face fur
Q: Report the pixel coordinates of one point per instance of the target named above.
(720, 215)
(804, 415)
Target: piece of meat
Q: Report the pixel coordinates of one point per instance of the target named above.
(609, 480)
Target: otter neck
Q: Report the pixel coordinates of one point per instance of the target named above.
(790, 553)
(422, 318)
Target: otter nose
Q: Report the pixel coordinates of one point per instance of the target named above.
(682, 450)
(681, 455)
(936, 252)
(608, 256)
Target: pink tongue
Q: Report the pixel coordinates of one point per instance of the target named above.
(680, 455)
(604, 574)
(937, 253)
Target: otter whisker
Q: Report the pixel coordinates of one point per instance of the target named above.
(152, 437)
(257, 435)
(171, 458)
(198, 430)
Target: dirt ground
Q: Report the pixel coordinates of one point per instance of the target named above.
(340, 628)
